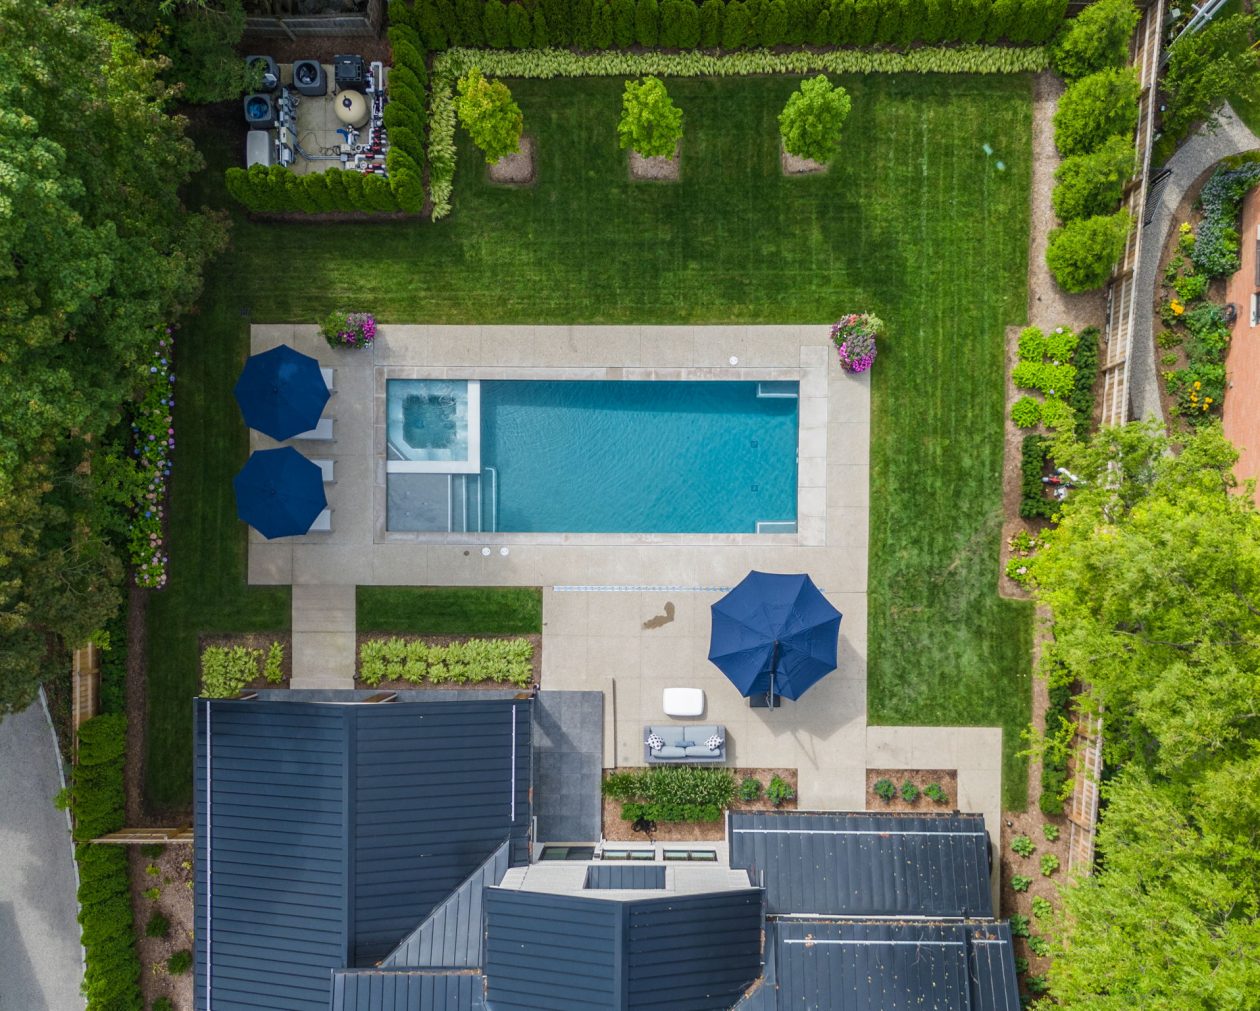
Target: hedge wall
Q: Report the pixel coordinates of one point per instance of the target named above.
(97, 800)
(733, 24)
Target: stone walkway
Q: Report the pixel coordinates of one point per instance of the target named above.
(41, 962)
(323, 635)
(1195, 157)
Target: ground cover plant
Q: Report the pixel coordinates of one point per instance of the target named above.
(735, 243)
(672, 793)
(505, 660)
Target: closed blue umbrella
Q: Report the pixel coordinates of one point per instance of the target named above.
(279, 492)
(282, 393)
(774, 633)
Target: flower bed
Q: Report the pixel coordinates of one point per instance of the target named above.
(855, 337)
(137, 480)
(229, 667)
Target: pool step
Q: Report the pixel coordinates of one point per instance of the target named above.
(776, 526)
(774, 389)
(474, 506)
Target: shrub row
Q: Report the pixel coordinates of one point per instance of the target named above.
(111, 980)
(506, 660)
(1032, 500)
(113, 661)
(226, 670)
(550, 63)
(1060, 727)
(673, 786)
(731, 24)
(1081, 399)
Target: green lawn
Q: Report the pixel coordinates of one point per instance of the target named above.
(913, 223)
(450, 610)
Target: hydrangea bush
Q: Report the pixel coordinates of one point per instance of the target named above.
(349, 329)
(1215, 251)
(855, 338)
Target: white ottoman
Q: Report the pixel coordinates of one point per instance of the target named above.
(683, 701)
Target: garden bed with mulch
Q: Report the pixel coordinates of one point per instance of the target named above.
(171, 873)
(516, 169)
(795, 165)
(656, 169)
(534, 639)
(946, 779)
(254, 640)
(618, 829)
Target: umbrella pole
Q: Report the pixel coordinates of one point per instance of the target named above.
(774, 666)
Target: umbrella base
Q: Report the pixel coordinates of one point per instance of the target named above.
(762, 700)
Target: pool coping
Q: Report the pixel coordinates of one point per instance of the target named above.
(811, 518)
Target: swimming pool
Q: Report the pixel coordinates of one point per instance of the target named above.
(613, 457)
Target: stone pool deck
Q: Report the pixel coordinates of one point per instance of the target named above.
(602, 592)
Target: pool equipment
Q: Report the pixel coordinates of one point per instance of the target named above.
(270, 71)
(349, 73)
(260, 111)
(309, 78)
(352, 108)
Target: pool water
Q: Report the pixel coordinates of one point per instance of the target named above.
(637, 457)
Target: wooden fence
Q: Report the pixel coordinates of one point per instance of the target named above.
(85, 690)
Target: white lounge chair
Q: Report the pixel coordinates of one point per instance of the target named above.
(328, 469)
(323, 432)
(322, 524)
(330, 381)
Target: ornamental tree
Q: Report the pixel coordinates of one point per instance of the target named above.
(1081, 254)
(1095, 108)
(1095, 39)
(489, 114)
(1090, 184)
(651, 123)
(811, 121)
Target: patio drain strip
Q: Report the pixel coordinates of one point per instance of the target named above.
(608, 588)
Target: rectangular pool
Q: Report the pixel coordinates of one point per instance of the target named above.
(610, 457)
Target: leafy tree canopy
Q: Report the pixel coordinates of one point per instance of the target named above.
(811, 121)
(490, 115)
(96, 250)
(1095, 39)
(1207, 66)
(651, 123)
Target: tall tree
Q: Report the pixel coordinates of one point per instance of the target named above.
(96, 250)
(1208, 66)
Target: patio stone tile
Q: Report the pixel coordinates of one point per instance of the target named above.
(331, 564)
(834, 788)
(565, 661)
(812, 442)
(267, 335)
(667, 346)
(564, 613)
(888, 748)
(849, 487)
(402, 565)
(979, 747)
(270, 564)
(614, 655)
(812, 472)
(813, 412)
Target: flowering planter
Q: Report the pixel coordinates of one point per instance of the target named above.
(855, 337)
(349, 330)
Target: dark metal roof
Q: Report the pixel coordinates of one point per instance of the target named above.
(331, 831)
(887, 966)
(452, 934)
(407, 990)
(693, 952)
(866, 864)
(601, 876)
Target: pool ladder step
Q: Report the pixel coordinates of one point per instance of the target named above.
(774, 389)
(474, 502)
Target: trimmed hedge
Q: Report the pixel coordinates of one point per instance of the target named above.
(1081, 398)
(684, 24)
(1059, 730)
(549, 63)
(111, 980)
(1032, 499)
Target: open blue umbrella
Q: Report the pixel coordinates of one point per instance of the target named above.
(279, 492)
(774, 633)
(281, 392)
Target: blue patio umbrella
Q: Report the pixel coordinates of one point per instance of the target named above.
(281, 392)
(774, 633)
(279, 492)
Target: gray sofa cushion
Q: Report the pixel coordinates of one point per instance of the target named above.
(699, 751)
(700, 734)
(670, 751)
(671, 735)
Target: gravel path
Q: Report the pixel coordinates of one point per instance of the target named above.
(40, 959)
(1048, 304)
(1194, 158)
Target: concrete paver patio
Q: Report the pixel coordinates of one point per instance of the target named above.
(599, 590)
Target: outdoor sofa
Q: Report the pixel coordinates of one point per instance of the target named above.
(684, 743)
